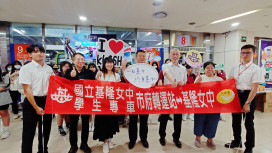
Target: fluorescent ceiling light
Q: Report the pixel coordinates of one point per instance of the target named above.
(235, 16)
(82, 18)
(23, 31)
(235, 24)
(149, 33)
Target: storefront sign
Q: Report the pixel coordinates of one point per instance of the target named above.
(19, 53)
(104, 97)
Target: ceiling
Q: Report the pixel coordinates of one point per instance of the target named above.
(138, 14)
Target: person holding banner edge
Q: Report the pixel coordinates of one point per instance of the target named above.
(34, 78)
(79, 72)
(174, 74)
(247, 77)
(132, 131)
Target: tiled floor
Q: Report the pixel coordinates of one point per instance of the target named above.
(60, 144)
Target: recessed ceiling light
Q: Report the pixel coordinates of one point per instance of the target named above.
(82, 18)
(160, 14)
(235, 24)
(157, 3)
(236, 16)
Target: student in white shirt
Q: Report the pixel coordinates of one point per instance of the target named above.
(34, 78)
(247, 77)
(174, 74)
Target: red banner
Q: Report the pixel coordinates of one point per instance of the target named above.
(103, 97)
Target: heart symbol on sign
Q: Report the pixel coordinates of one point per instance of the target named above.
(116, 47)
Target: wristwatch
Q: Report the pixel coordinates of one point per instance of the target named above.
(249, 103)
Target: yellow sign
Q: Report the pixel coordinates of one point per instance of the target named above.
(225, 96)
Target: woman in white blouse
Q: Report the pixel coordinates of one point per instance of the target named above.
(105, 126)
(206, 124)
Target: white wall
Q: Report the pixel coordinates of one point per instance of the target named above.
(227, 50)
(227, 47)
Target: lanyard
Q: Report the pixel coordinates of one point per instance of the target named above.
(239, 73)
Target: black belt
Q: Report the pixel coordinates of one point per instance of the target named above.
(243, 91)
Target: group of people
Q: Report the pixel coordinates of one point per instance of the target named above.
(34, 79)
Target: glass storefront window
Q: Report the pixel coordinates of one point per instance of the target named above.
(84, 29)
(54, 33)
(149, 38)
(128, 35)
(26, 33)
(99, 30)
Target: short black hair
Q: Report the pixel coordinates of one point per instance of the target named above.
(140, 51)
(64, 63)
(31, 48)
(187, 66)
(167, 60)
(78, 54)
(6, 67)
(248, 46)
(208, 63)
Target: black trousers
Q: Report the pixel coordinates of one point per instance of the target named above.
(29, 126)
(249, 124)
(133, 128)
(73, 129)
(14, 96)
(177, 125)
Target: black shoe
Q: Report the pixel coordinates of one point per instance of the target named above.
(170, 118)
(145, 143)
(177, 143)
(85, 148)
(248, 151)
(233, 144)
(162, 141)
(131, 144)
(62, 132)
(73, 149)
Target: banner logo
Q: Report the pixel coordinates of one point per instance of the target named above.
(225, 96)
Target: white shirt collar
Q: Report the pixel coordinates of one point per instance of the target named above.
(36, 64)
(171, 64)
(247, 64)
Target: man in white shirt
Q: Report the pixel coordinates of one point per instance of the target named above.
(247, 77)
(174, 74)
(34, 78)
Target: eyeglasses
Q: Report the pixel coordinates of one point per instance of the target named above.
(246, 53)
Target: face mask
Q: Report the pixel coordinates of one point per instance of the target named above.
(9, 69)
(55, 68)
(17, 66)
(154, 67)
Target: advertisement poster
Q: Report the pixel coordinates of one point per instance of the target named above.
(154, 55)
(265, 62)
(87, 44)
(18, 53)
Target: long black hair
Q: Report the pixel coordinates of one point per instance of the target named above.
(93, 65)
(104, 69)
(13, 66)
(156, 64)
(1, 76)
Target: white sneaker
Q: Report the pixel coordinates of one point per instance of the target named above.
(91, 127)
(16, 116)
(5, 133)
(191, 117)
(106, 147)
(110, 144)
(184, 117)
